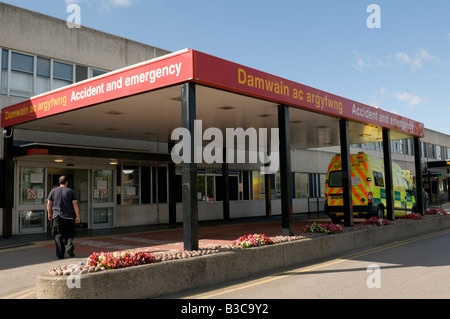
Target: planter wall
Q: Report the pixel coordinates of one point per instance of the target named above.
(167, 277)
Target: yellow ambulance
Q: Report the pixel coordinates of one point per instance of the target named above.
(368, 188)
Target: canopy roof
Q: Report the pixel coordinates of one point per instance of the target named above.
(142, 102)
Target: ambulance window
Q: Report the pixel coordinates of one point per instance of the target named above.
(405, 182)
(335, 179)
(378, 179)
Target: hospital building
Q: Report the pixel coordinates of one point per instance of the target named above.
(101, 109)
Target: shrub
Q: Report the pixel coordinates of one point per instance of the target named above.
(436, 211)
(323, 228)
(376, 221)
(412, 216)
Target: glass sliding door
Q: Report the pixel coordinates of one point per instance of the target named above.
(102, 198)
(31, 205)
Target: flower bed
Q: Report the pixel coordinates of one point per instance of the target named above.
(436, 211)
(376, 221)
(323, 228)
(119, 259)
(254, 240)
(412, 216)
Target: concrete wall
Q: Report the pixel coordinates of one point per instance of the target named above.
(43, 35)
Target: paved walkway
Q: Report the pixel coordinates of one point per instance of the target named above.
(160, 238)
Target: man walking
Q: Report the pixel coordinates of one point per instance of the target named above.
(61, 205)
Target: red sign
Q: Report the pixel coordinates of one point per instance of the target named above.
(189, 65)
(31, 194)
(212, 71)
(37, 151)
(150, 75)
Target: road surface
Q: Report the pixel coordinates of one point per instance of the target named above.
(416, 268)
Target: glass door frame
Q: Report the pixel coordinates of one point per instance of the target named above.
(95, 192)
(46, 165)
(28, 209)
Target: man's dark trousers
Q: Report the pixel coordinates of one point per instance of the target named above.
(63, 231)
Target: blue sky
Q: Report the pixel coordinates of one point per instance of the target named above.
(401, 67)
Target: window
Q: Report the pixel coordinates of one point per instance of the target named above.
(277, 185)
(162, 185)
(32, 215)
(395, 147)
(410, 147)
(102, 192)
(378, 179)
(159, 185)
(4, 72)
(146, 185)
(42, 75)
(406, 184)
(233, 187)
(322, 178)
(424, 147)
(301, 185)
(335, 179)
(379, 146)
(25, 75)
(444, 152)
(259, 189)
(130, 185)
(81, 73)
(201, 186)
(438, 152)
(95, 73)
(32, 186)
(431, 150)
(209, 187)
(22, 67)
(246, 185)
(62, 74)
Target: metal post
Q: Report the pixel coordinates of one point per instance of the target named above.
(189, 170)
(172, 199)
(419, 177)
(7, 174)
(268, 200)
(389, 182)
(346, 173)
(225, 187)
(285, 171)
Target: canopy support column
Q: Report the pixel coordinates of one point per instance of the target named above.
(225, 187)
(268, 199)
(7, 177)
(189, 170)
(419, 177)
(172, 199)
(389, 182)
(285, 171)
(346, 173)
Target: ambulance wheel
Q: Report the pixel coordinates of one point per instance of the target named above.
(380, 211)
(336, 219)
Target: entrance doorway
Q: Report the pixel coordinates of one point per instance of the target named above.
(79, 182)
(94, 188)
(94, 191)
